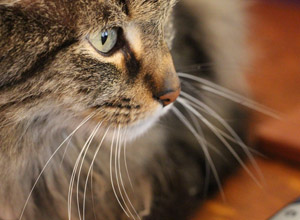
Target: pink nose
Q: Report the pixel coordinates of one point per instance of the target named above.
(169, 97)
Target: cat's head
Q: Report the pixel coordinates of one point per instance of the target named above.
(106, 57)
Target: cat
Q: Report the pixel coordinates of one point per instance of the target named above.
(95, 123)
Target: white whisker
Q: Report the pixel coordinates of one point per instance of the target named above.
(202, 106)
(73, 176)
(200, 132)
(126, 166)
(111, 175)
(89, 171)
(117, 162)
(81, 165)
(236, 156)
(92, 193)
(48, 161)
(228, 94)
(183, 119)
(66, 149)
(122, 184)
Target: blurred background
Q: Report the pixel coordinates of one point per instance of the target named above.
(274, 78)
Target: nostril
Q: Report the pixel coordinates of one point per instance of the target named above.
(169, 97)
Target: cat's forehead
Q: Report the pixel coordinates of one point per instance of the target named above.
(143, 10)
(153, 6)
(139, 9)
(96, 14)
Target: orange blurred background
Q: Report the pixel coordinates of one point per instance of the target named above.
(274, 79)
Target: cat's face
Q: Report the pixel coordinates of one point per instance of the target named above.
(107, 57)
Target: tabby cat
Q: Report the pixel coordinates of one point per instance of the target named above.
(89, 126)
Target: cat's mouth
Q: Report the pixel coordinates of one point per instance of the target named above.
(142, 126)
(132, 124)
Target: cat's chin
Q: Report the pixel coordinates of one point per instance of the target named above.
(139, 128)
(142, 126)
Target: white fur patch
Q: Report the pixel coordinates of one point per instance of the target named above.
(133, 36)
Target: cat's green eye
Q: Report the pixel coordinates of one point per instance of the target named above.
(104, 41)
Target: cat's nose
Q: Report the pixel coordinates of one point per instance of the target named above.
(169, 97)
(164, 81)
(170, 89)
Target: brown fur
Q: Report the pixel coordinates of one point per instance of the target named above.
(51, 78)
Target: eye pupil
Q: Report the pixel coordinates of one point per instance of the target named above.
(104, 37)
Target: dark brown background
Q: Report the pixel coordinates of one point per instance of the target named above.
(274, 78)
